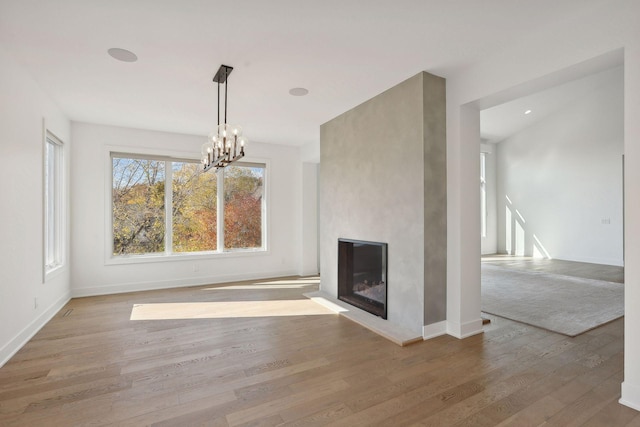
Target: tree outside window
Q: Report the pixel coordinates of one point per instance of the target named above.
(144, 189)
(194, 210)
(243, 193)
(138, 206)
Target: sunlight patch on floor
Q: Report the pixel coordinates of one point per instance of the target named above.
(227, 309)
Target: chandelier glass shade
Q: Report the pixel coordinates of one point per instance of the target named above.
(226, 143)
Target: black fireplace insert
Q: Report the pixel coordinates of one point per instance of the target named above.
(362, 275)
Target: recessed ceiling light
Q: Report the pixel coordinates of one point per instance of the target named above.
(298, 91)
(122, 54)
(528, 112)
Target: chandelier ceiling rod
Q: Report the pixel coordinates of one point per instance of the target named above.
(225, 98)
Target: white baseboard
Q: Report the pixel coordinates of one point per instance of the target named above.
(308, 273)
(591, 260)
(13, 346)
(630, 396)
(434, 330)
(464, 330)
(174, 283)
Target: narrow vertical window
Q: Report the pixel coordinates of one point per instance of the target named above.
(53, 204)
(483, 194)
(243, 206)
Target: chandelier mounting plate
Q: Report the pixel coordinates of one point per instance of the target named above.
(222, 74)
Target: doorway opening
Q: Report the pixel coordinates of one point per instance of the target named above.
(552, 202)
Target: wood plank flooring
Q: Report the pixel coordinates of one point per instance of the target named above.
(95, 366)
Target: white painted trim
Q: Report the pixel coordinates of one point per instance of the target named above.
(220, 209)
(595, 260)
(175, 283)
(434, 330)
(183, 256)
(630, 396)
(486, 148)
(464, 330)
(60, 208)
(15, 344)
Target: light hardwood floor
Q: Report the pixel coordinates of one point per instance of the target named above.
(202, 361)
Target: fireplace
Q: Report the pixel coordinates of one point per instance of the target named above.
(362, 275)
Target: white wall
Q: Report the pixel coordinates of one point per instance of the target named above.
(91, 272)
(489, 243)
(310, 245)
(309, 220)
(23, 107)
(562, 51)
(563, 180)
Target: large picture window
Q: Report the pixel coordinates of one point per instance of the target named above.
(169, 206)
(53, 204)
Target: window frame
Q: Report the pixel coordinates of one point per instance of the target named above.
(53, 191)
(483, 194)
(168, 254)
(263, 216)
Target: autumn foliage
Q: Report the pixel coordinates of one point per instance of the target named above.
(194, 209)
(242, 208)
(139, 207)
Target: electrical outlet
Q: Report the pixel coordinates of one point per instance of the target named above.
(196, 268)
(35, 303)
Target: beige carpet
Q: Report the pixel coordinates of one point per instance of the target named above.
(563, 304)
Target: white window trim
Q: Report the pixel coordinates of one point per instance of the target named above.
(220, 208)
(170, 155)
(483, 195)
(51, 271)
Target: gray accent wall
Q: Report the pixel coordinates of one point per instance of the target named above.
(383, 179)
(435, 198)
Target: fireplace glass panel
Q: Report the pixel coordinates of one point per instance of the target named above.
(362, 275)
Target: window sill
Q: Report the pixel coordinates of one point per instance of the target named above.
(151, 258)
(51, 273)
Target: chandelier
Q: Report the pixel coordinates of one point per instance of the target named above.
(226, 144)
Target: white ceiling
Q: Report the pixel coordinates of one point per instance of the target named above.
(343, 51)
(506, 119)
